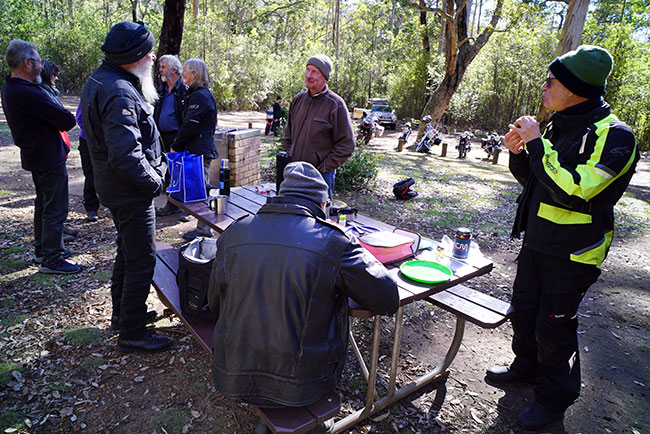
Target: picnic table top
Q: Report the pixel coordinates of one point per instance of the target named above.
(249, 199)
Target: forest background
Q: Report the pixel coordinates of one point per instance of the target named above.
(257, 49)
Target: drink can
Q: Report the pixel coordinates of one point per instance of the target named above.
(461, 243)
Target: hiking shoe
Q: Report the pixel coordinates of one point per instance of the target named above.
(194, 234)
(59, 267)
(150, 317)
(67, 238)
(149, 343)
(70, 231)
(185, 218)
(92, 216)
(38, 256)
(168, 209)
(505, 374)
(537, 416)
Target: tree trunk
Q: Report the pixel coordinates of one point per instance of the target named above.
(459, 53)
(569, 40)
(426, 47)
(171, 33)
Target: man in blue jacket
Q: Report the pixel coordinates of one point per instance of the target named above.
(126, 154)
(572, 176)
(35, 121)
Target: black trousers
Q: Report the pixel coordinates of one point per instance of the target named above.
(134, 265)
(546, 295)
(91, 202)
(50, 211)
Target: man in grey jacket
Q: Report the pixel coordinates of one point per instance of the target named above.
(319, 130)
(281, 283)
(126, 153)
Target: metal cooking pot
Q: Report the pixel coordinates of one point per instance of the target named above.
(349, 213)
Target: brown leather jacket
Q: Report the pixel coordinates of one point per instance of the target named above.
(319, 130)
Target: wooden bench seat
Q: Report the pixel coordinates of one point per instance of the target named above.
(474, 306)
(281, 420)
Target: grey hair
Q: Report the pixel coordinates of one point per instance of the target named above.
(19, 50)
(173, 62)
(201, 69)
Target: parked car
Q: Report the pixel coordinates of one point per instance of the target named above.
(384, 112)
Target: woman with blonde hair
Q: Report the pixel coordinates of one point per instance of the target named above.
(196, 134)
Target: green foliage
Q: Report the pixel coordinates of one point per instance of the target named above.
(359, 172)
(172, 419)
(12, 320)
(11, 419)
(5, 372)
(83, 336)
(90, 363)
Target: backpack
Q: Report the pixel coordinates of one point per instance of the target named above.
(195, 261)
(402, 189)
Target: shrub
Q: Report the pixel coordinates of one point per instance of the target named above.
(359, 172)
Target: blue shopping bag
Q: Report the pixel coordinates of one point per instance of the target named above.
(186, 183)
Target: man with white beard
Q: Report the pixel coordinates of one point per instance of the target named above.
(126, 154)
(35, 120)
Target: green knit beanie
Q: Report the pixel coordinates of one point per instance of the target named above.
(584, 71)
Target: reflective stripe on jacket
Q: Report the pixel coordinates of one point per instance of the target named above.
(572, 179)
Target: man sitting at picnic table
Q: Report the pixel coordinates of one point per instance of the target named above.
(281, 283)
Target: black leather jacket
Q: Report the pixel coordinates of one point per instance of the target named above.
(123, 140)
(282, 279)
(199, 121)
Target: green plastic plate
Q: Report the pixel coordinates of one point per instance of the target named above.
(425, 271)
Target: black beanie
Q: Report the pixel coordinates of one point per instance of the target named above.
(128, 42)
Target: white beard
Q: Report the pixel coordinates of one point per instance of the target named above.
(144, 73)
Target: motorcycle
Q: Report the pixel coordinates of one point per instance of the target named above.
(464, 145)
(269, 122)
(367, 128)
(406, 132)
(492, 142)
(430, 137)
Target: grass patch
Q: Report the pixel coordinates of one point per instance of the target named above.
(90, 363)
(102, 276)
(11, 419)
(11, 250)
(4, 192)
(9, 265)
(59, 387)
(198, 389)
(14, 319)
(171, 419)
(83, 336)
(5, 372)
(8, 302)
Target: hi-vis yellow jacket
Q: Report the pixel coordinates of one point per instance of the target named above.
(572, 177)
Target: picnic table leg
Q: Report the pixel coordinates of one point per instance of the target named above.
(357, 354)
(396, 346)
(435, 374)
(372, 379)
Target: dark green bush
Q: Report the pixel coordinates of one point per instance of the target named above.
(359, 172)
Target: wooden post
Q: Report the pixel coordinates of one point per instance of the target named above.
(250, 125)
(495, 156)
(400, 145)
(443, 153)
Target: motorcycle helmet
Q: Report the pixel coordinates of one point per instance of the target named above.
(402, 189)
(427, 119)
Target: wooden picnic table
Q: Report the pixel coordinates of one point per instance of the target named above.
(249, 199)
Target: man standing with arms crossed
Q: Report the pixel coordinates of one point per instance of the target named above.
(168, 111)
(126, 153)
(319, 130)
(36, 120)
(572, 175)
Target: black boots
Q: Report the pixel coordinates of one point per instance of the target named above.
(506, 374)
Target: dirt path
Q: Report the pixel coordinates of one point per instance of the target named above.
(69, 378)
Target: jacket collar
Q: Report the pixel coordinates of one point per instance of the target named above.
(322, 92)
(293, 205)
(588, 112)
(117, 68)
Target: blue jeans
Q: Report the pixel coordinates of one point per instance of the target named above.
(134, 265)
(329, 180)
(50, 211)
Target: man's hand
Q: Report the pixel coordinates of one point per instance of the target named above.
(513, 142)
(527, 128)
